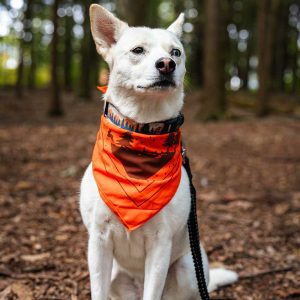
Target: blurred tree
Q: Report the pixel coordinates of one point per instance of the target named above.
(136, 12)
(248, 15)
(90, 60)
(179, 6)
(294, 50)
(33, 65)
(95, 59)
(267, 16)
(30, 43)
(20, 71)
(27, 46)
(55, 104)
(152, 15)
(68, 52)
(214, 105)
(280, 46)
(25, 39)
(196, 61)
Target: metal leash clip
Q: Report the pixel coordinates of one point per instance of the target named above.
(183, 150)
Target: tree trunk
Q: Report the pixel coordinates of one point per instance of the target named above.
(24, 46)
(32, 72)
(85, 84)
(214, 105)
(244, 67)
(135, 12)
(152, 19)
(262, 26)
(27, 29)
(267, 16)
(95, 66)
(68, 54)
(297, 77)
(196, 61)
(179, 7)
(20, 71)
(248, 15)
(55, 104)
(244, 70)
(280, 56)
(197, 55)
(30, 44)
(295, 66)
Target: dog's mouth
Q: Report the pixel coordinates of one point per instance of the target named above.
(160, 84)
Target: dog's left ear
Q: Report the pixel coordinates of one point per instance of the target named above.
(177, 26)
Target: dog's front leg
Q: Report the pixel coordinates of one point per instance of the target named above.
(156, 268)
(100, 257)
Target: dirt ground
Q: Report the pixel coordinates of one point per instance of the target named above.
(247, 174)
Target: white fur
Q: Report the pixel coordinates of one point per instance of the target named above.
(177, 26)
(154, 261)
(220, 277)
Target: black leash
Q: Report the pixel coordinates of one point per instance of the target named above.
(194, 234)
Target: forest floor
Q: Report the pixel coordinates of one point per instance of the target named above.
(247, 174)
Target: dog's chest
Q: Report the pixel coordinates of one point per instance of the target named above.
(130, 249)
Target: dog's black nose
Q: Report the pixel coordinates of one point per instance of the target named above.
(165, 65)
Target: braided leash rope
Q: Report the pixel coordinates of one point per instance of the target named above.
(194, 235)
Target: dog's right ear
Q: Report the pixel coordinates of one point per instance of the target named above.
(106, 28)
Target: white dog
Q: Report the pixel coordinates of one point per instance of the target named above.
(153, 261)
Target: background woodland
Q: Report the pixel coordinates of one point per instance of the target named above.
(242, 110)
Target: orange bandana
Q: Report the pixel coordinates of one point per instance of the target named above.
(137, 174)
(102, 89)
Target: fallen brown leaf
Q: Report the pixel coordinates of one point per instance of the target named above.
(35, 257)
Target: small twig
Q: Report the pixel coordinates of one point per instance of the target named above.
(83, 276)
(263, 273)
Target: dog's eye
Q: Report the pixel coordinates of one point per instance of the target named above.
(176, 52)
(138, 50)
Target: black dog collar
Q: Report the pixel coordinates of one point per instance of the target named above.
(162, 127)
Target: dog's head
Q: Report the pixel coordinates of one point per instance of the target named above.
(141, 60)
